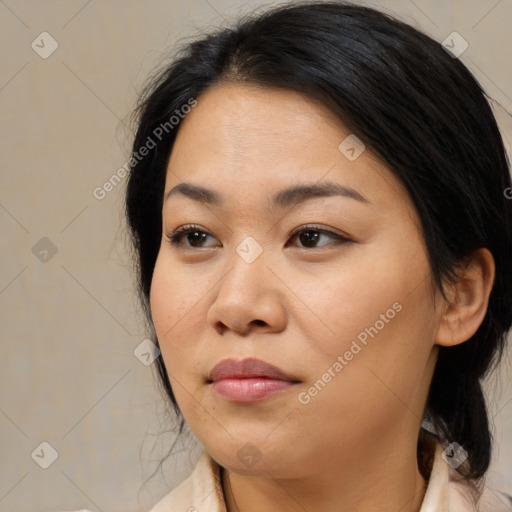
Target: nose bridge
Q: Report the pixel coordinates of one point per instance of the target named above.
(249, 250)
(247, 265)
(247, 293)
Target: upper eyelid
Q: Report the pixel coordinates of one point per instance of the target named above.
(312, 227)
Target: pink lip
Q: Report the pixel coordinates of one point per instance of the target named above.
(248, 380)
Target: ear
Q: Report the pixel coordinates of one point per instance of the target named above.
(467, 299)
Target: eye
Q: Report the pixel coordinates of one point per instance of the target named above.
(309, 236)
(194, 235)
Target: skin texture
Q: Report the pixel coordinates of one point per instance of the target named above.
(299, 307)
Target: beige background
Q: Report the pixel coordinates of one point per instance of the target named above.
(69, 325)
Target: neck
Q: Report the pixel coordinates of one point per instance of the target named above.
(369, 481)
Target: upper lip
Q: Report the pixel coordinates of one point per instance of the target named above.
(245, 369)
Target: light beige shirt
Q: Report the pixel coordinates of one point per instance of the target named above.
(202, 490)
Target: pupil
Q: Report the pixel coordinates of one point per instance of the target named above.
(311, 238)
(195, 234)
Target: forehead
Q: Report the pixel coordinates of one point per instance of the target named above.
(242, 138)
(234, 113)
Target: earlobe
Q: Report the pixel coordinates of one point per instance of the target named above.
(467, 299)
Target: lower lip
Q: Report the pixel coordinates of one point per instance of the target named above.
(249, 390)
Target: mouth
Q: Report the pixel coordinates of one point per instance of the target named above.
(248, 380)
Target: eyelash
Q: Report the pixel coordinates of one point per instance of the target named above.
(175, 237)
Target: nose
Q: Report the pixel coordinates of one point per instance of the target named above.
(249, 297)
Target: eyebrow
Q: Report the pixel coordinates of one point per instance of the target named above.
(285, 198)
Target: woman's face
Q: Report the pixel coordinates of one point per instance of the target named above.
(344, 308)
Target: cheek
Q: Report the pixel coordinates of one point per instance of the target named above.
(394, 325)
(358, 296)
(377, 314)
(177, 309)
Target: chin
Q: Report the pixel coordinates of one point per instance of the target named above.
(253, 458)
